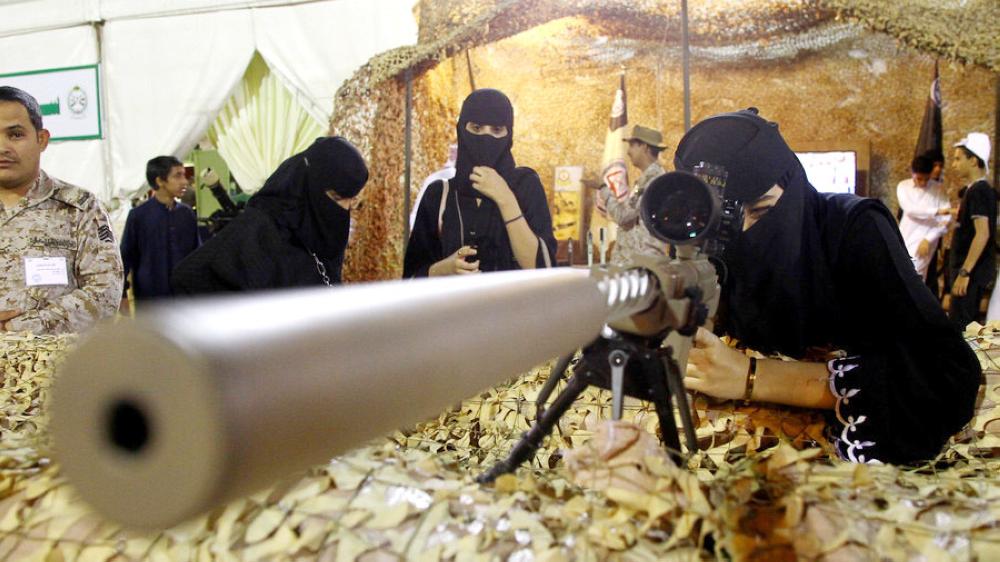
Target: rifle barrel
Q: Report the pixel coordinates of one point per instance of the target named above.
(200, 401)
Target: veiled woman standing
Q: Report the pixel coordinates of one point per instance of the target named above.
(493, 215)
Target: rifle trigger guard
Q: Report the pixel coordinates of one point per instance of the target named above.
(698, 314)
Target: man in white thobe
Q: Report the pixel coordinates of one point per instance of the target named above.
(926, 213)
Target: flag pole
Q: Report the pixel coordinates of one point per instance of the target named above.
(468, 64)
(408, 154)
(996, 136)
(686, 57)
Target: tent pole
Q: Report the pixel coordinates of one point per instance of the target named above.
(102, 91)
(468, 64)
(996, 133)
(409, 155)
(686, 57)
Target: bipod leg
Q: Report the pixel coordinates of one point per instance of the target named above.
(532, 440)
(617, 359)
(555, 375)
(652, 370)
(676, 386)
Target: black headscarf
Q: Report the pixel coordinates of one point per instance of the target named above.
(779, 293)
(295, 196)
(481, 224)
(486, 107)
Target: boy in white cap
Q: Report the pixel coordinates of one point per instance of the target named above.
(973, 263)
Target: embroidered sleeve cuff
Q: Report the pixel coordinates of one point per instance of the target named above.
(851, 425)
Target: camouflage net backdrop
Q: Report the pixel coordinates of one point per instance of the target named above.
(962, 30)
(761, 487)
(831, 71)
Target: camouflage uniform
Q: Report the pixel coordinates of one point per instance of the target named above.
(57, 219)
(633, 238)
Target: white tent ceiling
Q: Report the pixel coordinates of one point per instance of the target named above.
(23, 16)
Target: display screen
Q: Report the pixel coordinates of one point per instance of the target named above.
(831, 171)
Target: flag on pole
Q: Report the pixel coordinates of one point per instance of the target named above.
(930, 140)
(930, 128)
(615, 172)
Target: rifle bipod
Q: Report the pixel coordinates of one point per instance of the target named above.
(625, 365)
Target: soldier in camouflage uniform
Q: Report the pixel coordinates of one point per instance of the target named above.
(60, 270)
(644, 146)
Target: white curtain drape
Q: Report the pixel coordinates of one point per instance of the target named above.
(315, 47)
(78, 162)
(260, 126)
(167, 80)
(59, 48)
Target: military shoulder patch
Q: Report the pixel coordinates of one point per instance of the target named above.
(104, 233)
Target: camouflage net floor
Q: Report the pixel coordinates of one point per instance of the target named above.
(763, 487)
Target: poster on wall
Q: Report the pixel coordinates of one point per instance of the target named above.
(69, 99)
(831, 171)
(567, 202)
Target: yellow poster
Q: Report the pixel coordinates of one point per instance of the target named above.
(567, 202)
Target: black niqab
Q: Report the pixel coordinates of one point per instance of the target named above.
(485, 107)
(295, 196)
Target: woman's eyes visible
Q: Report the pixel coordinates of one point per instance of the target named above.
(498, 131)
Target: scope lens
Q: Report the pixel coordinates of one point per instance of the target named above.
(679, 208)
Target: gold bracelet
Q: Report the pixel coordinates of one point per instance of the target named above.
(751, 379)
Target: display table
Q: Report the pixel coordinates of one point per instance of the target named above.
(762, 488)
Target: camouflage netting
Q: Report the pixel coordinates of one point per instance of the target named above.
(762, 487)
(961, 30)
(830, 71)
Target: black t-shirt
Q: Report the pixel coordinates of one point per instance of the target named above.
(979, 200)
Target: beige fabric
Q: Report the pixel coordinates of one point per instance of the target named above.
(615, 458)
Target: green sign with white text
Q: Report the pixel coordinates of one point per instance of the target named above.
(69, 99)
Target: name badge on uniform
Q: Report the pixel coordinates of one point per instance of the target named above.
(45, 271)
